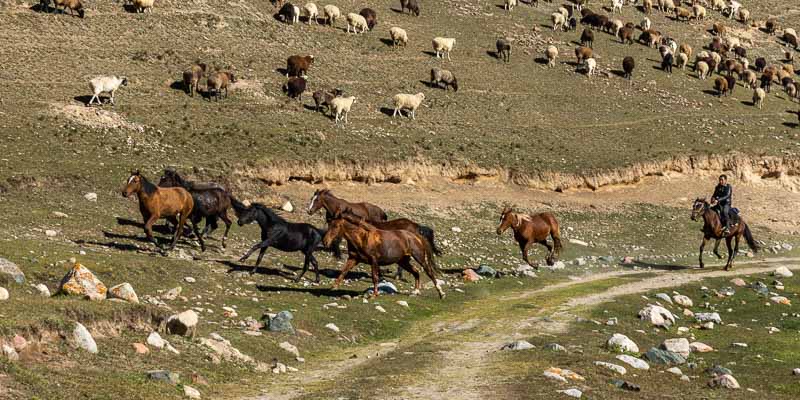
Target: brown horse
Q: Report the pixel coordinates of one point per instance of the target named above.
(369, 245)
(530, 229)
(155, 203)
(333, 205)
(712, 229)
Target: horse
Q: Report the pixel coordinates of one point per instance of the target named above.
(712, 229)
(211, 201)
(323, 198)
(530, 229)
(156, 203)
(376, 247)
(278, 233)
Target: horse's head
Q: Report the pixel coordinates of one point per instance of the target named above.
(506, 220)
(169, 179)
(316, 201)
(335, 230)
(698, 207)
(134, 184)
(244, 215)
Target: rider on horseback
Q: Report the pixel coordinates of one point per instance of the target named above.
(721, 202)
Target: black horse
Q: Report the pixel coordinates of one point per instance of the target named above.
(278, 233)
(211, 201)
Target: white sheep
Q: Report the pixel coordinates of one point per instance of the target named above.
(702, 69)
(590, 65)
(398, 35)
(682, 59)
(106, 84)
(551, 53)
(744, 15)
(734, 9)
(616, 6)
(758, 97)
(296, 18)
(341, 105)
(646, 24)
(616, 26)
(407, 101)
(564, 12)
(559, 22)
(699, 12)
(331, 14)
(356, 21)
(510, 4)
(143, 5)
(310, 10)
(443, 46)
(718, 5)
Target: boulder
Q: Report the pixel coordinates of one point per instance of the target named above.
(614, 367)
(288, 207)
(675, 371)
(190, 392)
(621, 343)
(636, 363)
(679, 345)
(172, 294)
(183, 324)
(724, 381)
(332, 327)
(518, 345)
(222, 348)
(663, 357)
(84, 339)
(4, 294)
(165, 376)
(9, 353)
(657, 316)
(783, 272)
(698, 347)
(664, 297)
(42, 289)
(576, 393)
(155, 340)
(708, 317)
(11, 270)
(281, 322)
(290, 348)
(486, 271)
(780, 300)
(124, 291)
(682, 300)
(738, 282)
(383, 288)
(80, 281)
(471, 276)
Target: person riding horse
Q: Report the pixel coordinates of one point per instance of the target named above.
(721, 202)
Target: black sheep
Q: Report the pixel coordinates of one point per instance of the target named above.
(587, 37)
(294, 88)
(628, 64)
(667, 61)
(288, 13)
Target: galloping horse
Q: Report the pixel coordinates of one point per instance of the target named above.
(530, 229)
(712, 229)
(323, 198)
(369, 245)
(210, 201)
(156, 203)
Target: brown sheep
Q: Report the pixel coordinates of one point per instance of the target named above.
(218, 81)
(582, 53)
(721, 86)
(72, 5)
(682, 13)
(771, 25)
(324, 98)
(718, 29)
(626, 35)
(628, 64)
(297, 66)
(192, 76)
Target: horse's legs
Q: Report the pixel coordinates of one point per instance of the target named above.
(405, 264)
(316, 266)
(375, 272)
(347, 267)
(730, 253)
(524, 247)
(716, 249)
(260, 245)
(702, 246)
(199, 236)
(735, 248)
(179, 229)
(425, 259)
(148, 228)
(306, 261)
(550, 248)
(227, 221)
(258, 260)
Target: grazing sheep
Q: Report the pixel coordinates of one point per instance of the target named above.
(740, 52)
(510, 4)
(442, 76)
(143, 5)
(718, 29)
(564, 12)
(587, 37)
(791, 91)
(551, 53)
(106, 84)
(324, 98)
(758, 97)
(789, 32)
(626, 35)
(298, 65)
(628, 64)
(295, 87)
(615, 26)
(331, 14)
(750, 79)
(733, 42)
(646, 24)
(699, 12)
(647, 5)
(356, 21)
(399, 36)
(503, 49)
(289, 13)
(666, 62)
(744, 15)
(594, 20)
(718, 5)
(559, 21)
(731, 83)
(766, 80)
(771, 26)
(760, 64)
(582, 53)
(651, 38)
(728, 66)
(192, 76)
(310, 10)
(342, 105)
(71, 5)
(666, 6)
(790, 39)
(682, 13)
(407, 101)
(701, 67)
(721, 85)
(686, 49)
(218, 81)
(733, 9)
(411, 5)
(683, 59)
(789, 68)
(370, 16)
(590, 65)
(443, 46)
(572, 24)
(663, 50)
(789, 56)
(616, 6)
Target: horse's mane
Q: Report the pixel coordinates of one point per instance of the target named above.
(524, 217)
(182, 182)
(148, 187)
(268, 212)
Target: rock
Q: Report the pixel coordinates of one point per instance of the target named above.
(680, 346)
(708, 317)
(172, 294)
(626, 385)
(80, 281)
(612, 321)
(471, 276)
(384, 288)
(555, 347)
(191, 392)
(9, 353)
(155, 340)
(332, 327)
(518, 345)
(698, 347)
(614, 367)
(123, 291)
(579, 242)
(42, 290)
(84, 339)
(657, 315)
(229, 312)
(19, 343)
(59, 214)
(288, 207)
(636, 363)
(189, 279)
(555, 377)
(4, 294)
(718, 370)
(707, 325)
(50, 233)
(563, 373)
(222, 348)
(572, 393)
(740, 345)
(183, 324)
(455, 229)
(580, 261)
(675, 371)
(780, 300)
(140, 348)
(760, 287)
(724, 381)
(783, 272)
(290, 348)
(664, 297)
(621, 343)
(281, 322)
(11, 270)
(663, 357)
(682, 300)
(627, 260)
(198, 379)
(738, 282)
(380, 309)
(164, 376)
(486, 271)
(796, 372)
(90, 196)
(402, 303)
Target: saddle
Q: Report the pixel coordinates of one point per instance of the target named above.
(733, 216)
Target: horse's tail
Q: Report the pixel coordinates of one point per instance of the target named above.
(750, 241)
(337, 252)
(428, 234)
(383, 215)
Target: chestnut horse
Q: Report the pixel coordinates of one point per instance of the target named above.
(369, 245)
(156, 203)
(323, 198)
(530, 229)
(712, 229)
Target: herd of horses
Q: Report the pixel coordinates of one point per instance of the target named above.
(371, 237)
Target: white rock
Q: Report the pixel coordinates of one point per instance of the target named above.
(380, 309)
(657, 315)
(578, 242)
(59, 214)
(636, 363)
(42, 290)
(682, 300)
(191, 392)
(572, 393)
(84, 339)
(796, 372)
(675, 371)
(90, 196)
(123, 291)
(155, 340)
(725, 381)
(290, 348)
(555, 377)
(4, 294)
(50, 233)
(680, 346)
(288, 207)
(183, 324)
(783, 272)
(403, 303)
(172, 294)
(614, 367)
(456, 229)
(706, 317)
(333, 327)
(699, 347)
(621, 343)
(741, 345)
(664, 297)
(10, 353)
(189, 279)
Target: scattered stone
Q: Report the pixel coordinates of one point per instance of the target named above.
(783, 272)
(380, 309)
(760, 287)
(796, 372)
(83, 338)
(155, 340)
(486, 271)
(59, 214)
(82, 282)
(626, 385)
(518, 345)
(403, 303)
(50, 233)
(657, 315)
(384, 288)
(707, 325)
(562, 373)
(183, 324)
(614, 367)
(333, 327)
(675, 371)
(718, 370)
(740, 345)
(198, 379)
(612, 321)
(555, 347)
(664, 297)
(140, 348)
(456, 229)
(191, 392)
(698, 347)
(471, 276)
(706, 317)
(9, 353)
(724, 381)
(685, 378)
(172, 294)
(682, 300)
(738, 282)
(636, 363)
(288, 207)
(290, 348)
(222, 348)
(90, 196)
(4, 294)
(229, 312)
(19, 343)
(189, 279)
(680, 346)
(42, 289)
(579, 242)
(10, 269)
(572, 393)
(123, 291)
(551, 375)
(780, 300)
(621, 343)
(281, 322)
(663, 357)
(164, 376)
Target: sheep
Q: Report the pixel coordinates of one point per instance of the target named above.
(370, 16)
(702, 55)
(616, 6)
(686, 49)
(733, 42)
(789, 56)
(789, 68)
(559, 21)
(442, 76)
(740, 52)
(564, 12)
(666, 5)
(733, 10)
(106, 84)
(298, 65)
(699, 12)
(143, 5)
(218, 81)
(582, 53)
(399, 36)
(683, 59)
(646, 24)
(628, 64)
(718, 5)
(728, 66)
(411, 5)
(552, 54)
(331, 14)
(718, 29)
(324, 98)
(791, 91)
(731, 84)
(682, 13)
(407, 101)
(721, 85)
(744, 15)
(666, 63)
(587, 37)
(766, 80)
(572, 24)
(342, 105)
(295, 87)
(72, 5)
(701, 67)
(503, 46)
(616, 26)
(760, 64)
(356, 21)
(750, 79)
(590, 65)
(626, 35)
(771, 26)
(650, 37)
(758, 97)
(789, 32)
(310, 10)
(289, 13)
(647, 6)
(192, 76)
(594, 20)
(663, 50)
(790, 39)
(717, 61)
(443, 46)
(510, 4)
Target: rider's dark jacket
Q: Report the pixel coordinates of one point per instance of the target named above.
(723, 194)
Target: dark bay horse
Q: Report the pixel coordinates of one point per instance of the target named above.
(210, 201)
(375, 247)
(530, 229)
(323, 198)
(155, 203)
(278, 233)
(712, 229)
